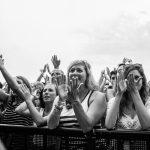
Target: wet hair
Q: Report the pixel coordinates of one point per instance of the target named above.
(90, 82)
(143, 91)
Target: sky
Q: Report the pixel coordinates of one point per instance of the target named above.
(102, 32)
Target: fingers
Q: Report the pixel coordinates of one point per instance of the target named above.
(130, 81)
(24, 88)
(1, 57)
(80, 86)
(137, 81)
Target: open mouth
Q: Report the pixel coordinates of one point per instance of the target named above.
(46, 97)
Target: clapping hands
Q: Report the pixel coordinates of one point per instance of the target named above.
(133, 81)
(61, 87)
(121, 83)
(73, 91)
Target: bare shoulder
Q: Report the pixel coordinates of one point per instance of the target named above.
(97, 97)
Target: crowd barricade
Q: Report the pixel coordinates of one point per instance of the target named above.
(42, 138)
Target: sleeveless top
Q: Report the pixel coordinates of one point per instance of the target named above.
(15, 141)
(125, 121)
(68, 118)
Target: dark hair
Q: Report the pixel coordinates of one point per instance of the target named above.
(114, 72)
(143, 91)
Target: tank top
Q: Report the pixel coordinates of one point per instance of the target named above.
(68, 118)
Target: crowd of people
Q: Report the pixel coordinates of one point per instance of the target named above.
(120, 100)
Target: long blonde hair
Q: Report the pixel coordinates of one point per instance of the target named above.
(90, 82)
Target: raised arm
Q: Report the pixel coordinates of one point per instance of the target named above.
(9, 79)
(143, 111)
(54, 116)
(36, 116)
(114, 103)
(42, 73)
(55, 61)
(3, 96)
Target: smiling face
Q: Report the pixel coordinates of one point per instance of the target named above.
(136, 76)
(79, 72)
(49, 92)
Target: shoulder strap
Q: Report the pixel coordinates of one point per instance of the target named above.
(90, 97)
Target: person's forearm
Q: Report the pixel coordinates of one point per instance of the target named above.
(40, 77)
(142, 112)
(54, 118)
(38, 119)
(113, 112)
(84, 122)
(12, 82)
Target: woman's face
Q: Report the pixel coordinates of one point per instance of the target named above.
(136, 76)
(79, 72)
(49, 92)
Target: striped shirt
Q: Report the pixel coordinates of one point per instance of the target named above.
(17, 141)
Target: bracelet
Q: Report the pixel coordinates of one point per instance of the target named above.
(59, 108)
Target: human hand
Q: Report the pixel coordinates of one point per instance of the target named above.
(133, 83)
(73, 90)
(47, 79)
(1, 62)
(26, 92)
(61, 87)
(121, 83)
(55, 61)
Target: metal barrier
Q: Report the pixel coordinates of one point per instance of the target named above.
(31, 138)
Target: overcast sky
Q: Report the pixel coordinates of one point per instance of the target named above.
(100, 31)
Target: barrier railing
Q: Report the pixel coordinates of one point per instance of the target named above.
(28, 138)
